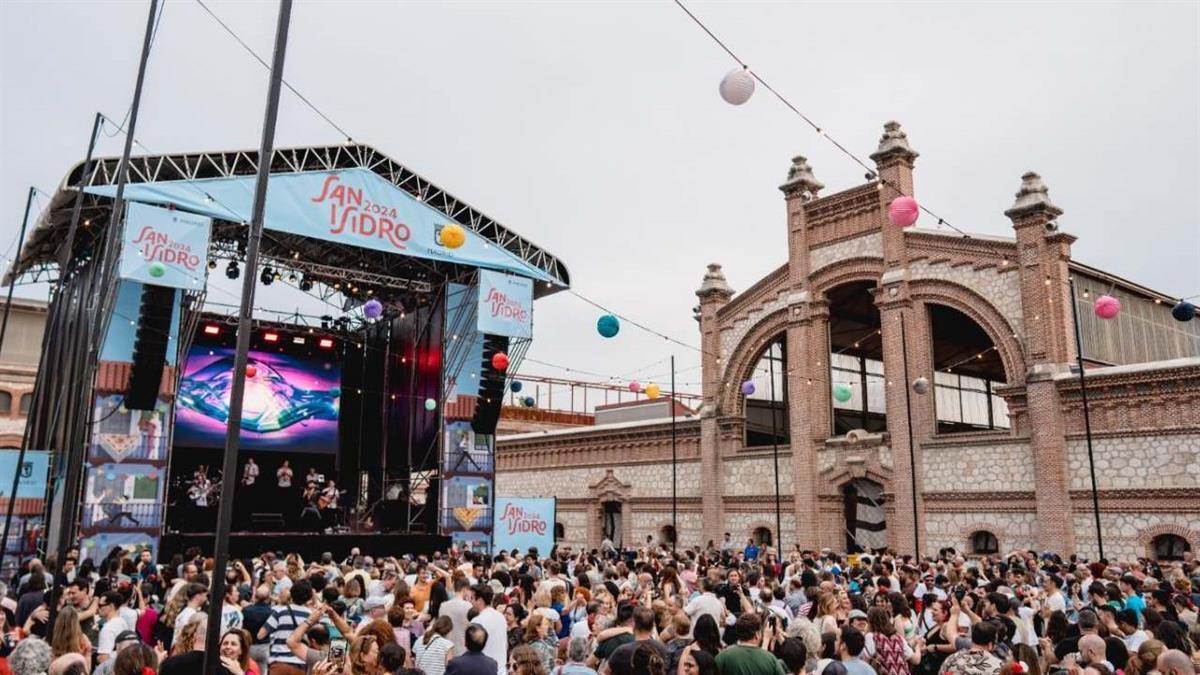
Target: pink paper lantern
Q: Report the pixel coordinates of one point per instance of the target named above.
(635, 386)
(903, 211)
(1107, 307)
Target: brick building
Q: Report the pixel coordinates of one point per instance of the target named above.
(991, 455)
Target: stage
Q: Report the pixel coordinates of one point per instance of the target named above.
(310, 545)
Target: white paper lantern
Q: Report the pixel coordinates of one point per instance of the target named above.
(737, 86)
(921, 385)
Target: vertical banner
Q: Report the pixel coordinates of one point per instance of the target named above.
(523, 523)
(165, 247)
(468, 479)
(505, 305)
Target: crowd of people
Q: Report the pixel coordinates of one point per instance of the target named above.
(725, 610)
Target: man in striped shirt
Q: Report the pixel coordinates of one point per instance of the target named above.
(283, 620)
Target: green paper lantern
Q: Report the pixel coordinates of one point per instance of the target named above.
(842, 392)
(157, 269)
(430, 404)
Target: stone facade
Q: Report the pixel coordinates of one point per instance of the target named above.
(1027, 482)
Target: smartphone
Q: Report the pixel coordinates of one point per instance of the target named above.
(337, 652)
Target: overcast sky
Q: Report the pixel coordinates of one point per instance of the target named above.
(595, 129)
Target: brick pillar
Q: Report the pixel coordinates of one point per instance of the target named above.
(1042, 256)
(894, 161)
(802, 334)
(714, 293)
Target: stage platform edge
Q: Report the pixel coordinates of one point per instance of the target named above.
(310, 545)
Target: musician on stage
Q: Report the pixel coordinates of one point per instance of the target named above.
(310, 515)
(283, 477)
(201, 487)
(249, 472)
(313, 476)
(329, 496)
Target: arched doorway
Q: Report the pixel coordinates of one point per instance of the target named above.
(560, 532)
(666, 535)
(1170, 547)
(762, 536)
(864, 516)
(767, 409)
(984, 542)
(856, 359)
(967, 369)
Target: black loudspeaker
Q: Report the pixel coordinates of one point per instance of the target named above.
(491, 387)
(150, 347)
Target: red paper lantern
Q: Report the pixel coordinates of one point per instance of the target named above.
(1107, 307)
(903, 211)
(500, 361)
(251, 371)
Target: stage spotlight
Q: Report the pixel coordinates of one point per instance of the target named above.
(306, 284)
(325, 343)
(267, 277)
(232, 271)
(212, 329)
(325, 319)
(212, 264)
(271, 337)
(292, 278)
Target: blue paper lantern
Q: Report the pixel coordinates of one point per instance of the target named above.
(529, 402)
(608, 326)
(1184, 311)
(516, 386)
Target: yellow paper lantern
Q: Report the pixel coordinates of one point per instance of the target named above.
(653, 391)
(453, 235)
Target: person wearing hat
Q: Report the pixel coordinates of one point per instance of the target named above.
(123, 640)
(858, 619)
(374, 608)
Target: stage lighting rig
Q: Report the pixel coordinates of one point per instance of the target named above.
(232, 271)
(267, 276)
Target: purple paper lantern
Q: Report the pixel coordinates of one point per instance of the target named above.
(748, 387)
(373, 309)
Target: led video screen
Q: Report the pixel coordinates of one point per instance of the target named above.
(291, 402)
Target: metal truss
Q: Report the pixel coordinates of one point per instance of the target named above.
(197, 166)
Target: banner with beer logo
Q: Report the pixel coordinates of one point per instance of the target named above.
(523, 523)
(165, 247)
(505, 305)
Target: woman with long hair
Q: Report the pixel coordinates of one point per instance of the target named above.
(706, 635)
(885, 648)
(191, 631)
(434, 650)
(364, 656)
(902, 616)
(353, 595)
(669, 583)
(697, 662)
(541, 638)
(647, 660)
(525, 660)
(164, 629)
(235, 653)
(827, 613)
(68, 636)
(134, 660)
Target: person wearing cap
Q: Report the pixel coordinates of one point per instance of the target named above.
(123, 640)
(114, 625)
(374, 609)
(858, 620)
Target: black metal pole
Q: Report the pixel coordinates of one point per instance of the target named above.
(1087, 418)
(775, 455)
(674, 469)
(241, 356)
(16, 483)
(912, 453)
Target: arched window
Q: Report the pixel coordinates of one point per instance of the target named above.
(666, 534)
(856, 378)
(762, 536)
(26, 402)
(5, 403)
(560, 532)
(984, 543)
(967, 371)
(767, 409)
(1170, 547)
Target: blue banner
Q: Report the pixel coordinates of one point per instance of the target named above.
(505, 305)
(165, 247)
(355, 207)
(33, 470)
(523, 523)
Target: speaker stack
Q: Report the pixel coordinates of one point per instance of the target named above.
(150, 347)
(491, 387)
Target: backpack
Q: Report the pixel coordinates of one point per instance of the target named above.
(889, 655)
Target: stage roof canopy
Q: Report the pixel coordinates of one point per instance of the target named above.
(309, 218)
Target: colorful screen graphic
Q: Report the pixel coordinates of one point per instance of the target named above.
(291, 402)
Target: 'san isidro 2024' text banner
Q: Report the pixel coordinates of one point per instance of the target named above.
(522, 523)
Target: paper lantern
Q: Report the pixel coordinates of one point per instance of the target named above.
(500, 361)
(652, 390)
(251, 371)
(157, 269)
(737, 86)
(608, 326)
(1184, 311)
(748, 387)
(153, 475)
(635, 386)
(1107, 307)
(516, 386)
(110, 475)
(842, 392)
(529, 402)
(921, 385)
(430, 404)
(903, 211)
(373, 309)
(453, 236)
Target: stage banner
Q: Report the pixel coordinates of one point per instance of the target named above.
(33, 470)
(505, 305)
(355, 207)
(165, 247)
(523, 523)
